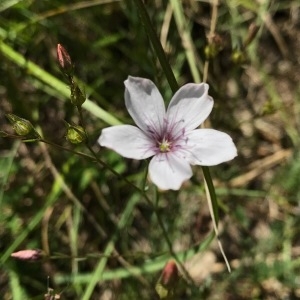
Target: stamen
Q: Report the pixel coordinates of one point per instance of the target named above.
(165, 146)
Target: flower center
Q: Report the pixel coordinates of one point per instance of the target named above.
(164, 146)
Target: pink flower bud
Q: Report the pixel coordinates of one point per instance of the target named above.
(169, 274)
(64, 60)
(168, 281)
(30, 255)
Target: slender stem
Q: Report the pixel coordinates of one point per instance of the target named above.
(100, 162)
(170, 246)
(212, 193)
(213, 24)
(157, 45)
(66, 149)
(184, 31)
(145, 176)
(209, 188)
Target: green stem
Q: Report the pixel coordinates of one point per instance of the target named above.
(157, 45)
(212, 192)
(144, 182)
(66, 149)
(100, 162)
(186, 40)
(169, 243)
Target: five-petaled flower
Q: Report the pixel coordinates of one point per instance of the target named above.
(170, 136)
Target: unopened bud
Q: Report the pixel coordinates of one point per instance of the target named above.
(29, 255)
(75, 134)
(64, 60)
(238, 57)
(216, 44)
(77, 96)
(210, 51)
(168, 281)
(21, 126)
(268, 108)
(170, 273)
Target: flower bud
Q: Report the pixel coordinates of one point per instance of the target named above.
(64, 60)
(21, 126)
(170, 273)
(168, 281)
(75, 134)
(238, 57)
(29, 255)
(216, 44)
(77, 97)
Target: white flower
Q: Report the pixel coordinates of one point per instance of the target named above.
(169, 136)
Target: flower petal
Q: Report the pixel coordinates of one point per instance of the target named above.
(145, 104)
(209, 147)
(189, 107)
(129, 141)
(169, 171)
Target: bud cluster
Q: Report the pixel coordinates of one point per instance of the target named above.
(75, 134)
(216, 43)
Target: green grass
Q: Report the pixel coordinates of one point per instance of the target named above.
(100, 235)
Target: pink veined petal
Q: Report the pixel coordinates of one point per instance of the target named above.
(189, 107)
(209, 147)
(144, 103)
(169, 171)
(127, 140)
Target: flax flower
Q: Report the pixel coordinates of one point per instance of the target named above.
(170, 136)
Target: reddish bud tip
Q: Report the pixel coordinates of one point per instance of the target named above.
(64, 60)
(169, 273)
(30, 255)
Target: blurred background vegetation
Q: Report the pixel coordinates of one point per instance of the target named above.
(101, 237)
